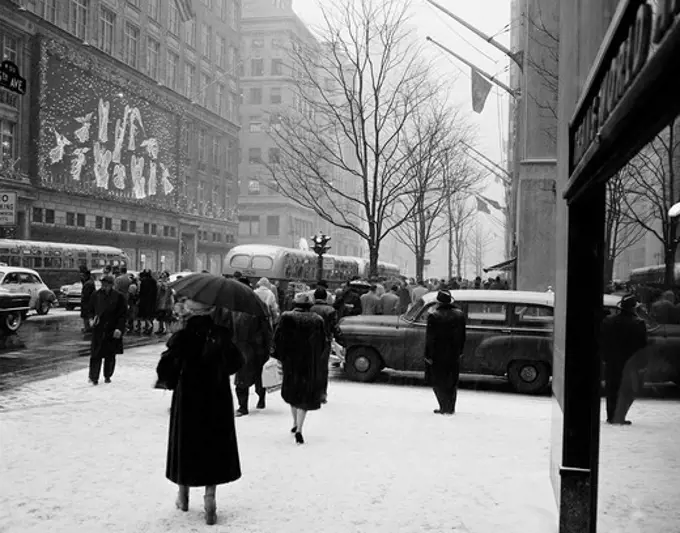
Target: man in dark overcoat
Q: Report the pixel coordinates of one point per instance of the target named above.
(621, 337)
(108, 322)
(444, 343)
(330, 319)
(86, 298)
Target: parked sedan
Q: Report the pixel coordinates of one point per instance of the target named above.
(13, 307)
(509, 334)
(28, 281)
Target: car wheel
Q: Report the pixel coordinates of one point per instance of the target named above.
(44, 307)
(362, 364)
(529, 377)
(12, 321)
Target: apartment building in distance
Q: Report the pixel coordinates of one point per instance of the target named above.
(128, 132)
(268, 28)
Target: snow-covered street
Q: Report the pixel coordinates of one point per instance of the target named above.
(77, 458)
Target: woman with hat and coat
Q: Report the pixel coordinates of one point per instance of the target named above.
(202, 444)
(444, 343)
(299, 343)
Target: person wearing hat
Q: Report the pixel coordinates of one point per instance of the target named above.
(299, 343)
(621, 336)
(444, 343)
(86, 296)
(108, 323)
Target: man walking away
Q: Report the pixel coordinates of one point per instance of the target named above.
(108, 324)
(621, 336)
(330, 319)
(444, 343)
(122, 283)
(418, 292)
(390, 301)
(86, 298)
(370, 302)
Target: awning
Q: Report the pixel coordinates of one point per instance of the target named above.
(506, 265)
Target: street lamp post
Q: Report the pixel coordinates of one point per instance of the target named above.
(320, 241)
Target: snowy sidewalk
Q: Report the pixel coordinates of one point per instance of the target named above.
(77, 458)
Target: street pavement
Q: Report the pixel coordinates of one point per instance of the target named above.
(77, 458)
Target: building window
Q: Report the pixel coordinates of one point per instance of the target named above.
(37, 214)
(253, 187)
(206, 91)
(131, 45)
(233, 60)
(255, 127)
(154, 9)
(80, 218)
(216, 152)
(172, 70)
(190, 33)
(221, 100)
(70, 219)
(275, 121)
(49, 216)
(154, 229)
(99, 222)
(133, 226)
(223, 10)
(248, 225)
(77, 18)
(254, 155)
(272, 225)
(147, 228)
(123, 225)
(166, 231)
(275, 95)
(221, 52)
(206, 40)
(153, 54)
(10, 48)
(257, 66)
(189, 76)
(48, 10)
(107, 30)
(173, 19)
(201, 144)
(255, 96)
(274, 155)
(277, 67)
(108, 223)
(234, 15)
(8, 133)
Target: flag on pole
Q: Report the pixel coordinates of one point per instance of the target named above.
(493, 203)
(480, 90)
(482, 207)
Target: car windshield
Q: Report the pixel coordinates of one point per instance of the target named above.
(412, 313)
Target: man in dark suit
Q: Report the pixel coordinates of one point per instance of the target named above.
(108, 323)
(444, 343)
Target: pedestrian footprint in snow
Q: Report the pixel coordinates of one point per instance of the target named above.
(299, 343)
(202, 444)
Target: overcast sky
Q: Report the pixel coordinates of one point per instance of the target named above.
(491, 17)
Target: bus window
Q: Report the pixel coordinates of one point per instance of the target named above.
(82, 262)
(261, 262)
(27, 262)
(240, 261)
(37, 262)
(68, 262)
(14, 261)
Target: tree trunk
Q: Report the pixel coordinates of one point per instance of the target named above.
(373, 253)
(450, 255)
(420, 266)
(669, 272)
(608, 269)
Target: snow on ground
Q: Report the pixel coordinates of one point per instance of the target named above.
(76, 458)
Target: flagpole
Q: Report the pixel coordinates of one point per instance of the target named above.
(487, 159)
(490, 77)
(517, 57)
(505, 180)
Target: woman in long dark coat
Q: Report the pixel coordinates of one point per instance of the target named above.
(202, 445)
(148, 292)
(299, 344)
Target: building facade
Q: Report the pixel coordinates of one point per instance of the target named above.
(128, 133)
(531, 196)
(268, 84)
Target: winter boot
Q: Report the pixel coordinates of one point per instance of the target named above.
(210, 505)
(261, 403)
(182, 501)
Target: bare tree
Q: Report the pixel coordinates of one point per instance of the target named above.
(478, 244)
(461, 214)
(340, 149)
(437, 170)
(621, 229)
(653, 191)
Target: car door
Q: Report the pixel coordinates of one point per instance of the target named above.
(11, 282)
(28, 284)
(532, 332)
(488, 338)
(413, 335)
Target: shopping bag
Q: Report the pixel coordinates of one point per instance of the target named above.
(272, 375)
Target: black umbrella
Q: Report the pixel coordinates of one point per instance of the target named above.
(220, 292)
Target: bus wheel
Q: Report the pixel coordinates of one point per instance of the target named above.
(11, 321)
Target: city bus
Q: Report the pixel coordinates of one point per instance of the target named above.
(653, 275)
(287, 264)
(58, 263)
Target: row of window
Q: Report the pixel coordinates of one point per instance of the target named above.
(255, 95)
(216, 237)
(249, 226)
(47, 216)
(255, 155)
(257, 67)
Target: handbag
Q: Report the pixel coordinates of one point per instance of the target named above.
(272, 376)
(168, 370)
